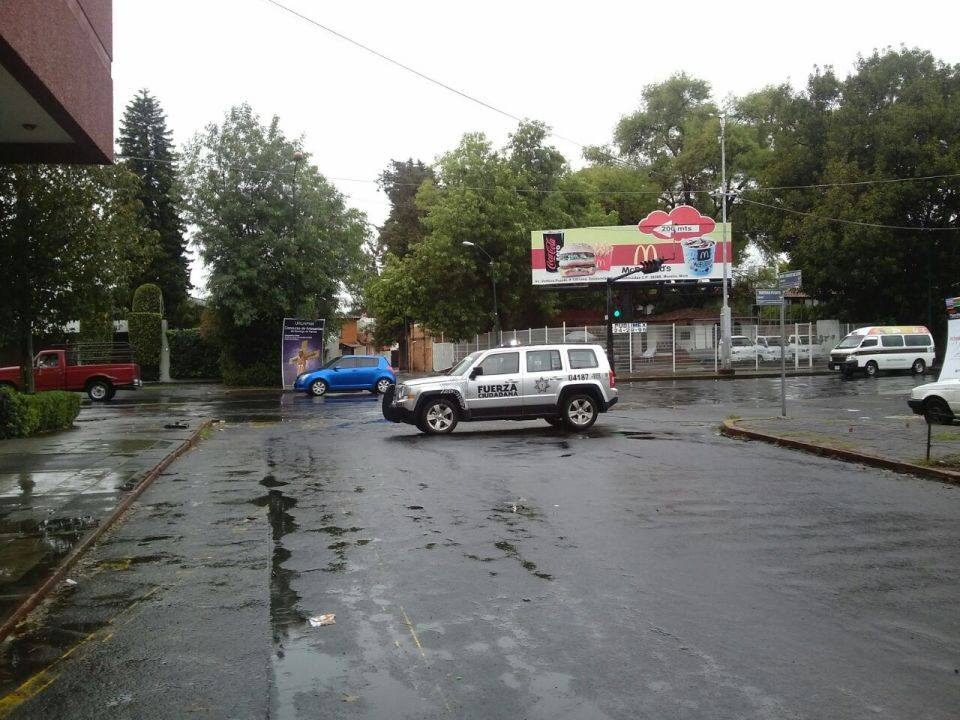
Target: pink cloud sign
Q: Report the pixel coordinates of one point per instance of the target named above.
(679, 224)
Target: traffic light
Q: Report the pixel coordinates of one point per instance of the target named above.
(651, 266)
(617, 313)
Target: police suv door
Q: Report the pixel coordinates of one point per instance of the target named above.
(496, 391)
(541, 381)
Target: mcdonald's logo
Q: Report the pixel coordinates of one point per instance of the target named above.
(649, 252)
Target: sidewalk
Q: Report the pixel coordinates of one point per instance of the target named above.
(56, 488)
(895, 442)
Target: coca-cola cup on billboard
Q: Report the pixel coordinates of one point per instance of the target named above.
(552, 244)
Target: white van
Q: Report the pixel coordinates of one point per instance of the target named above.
(872, 349)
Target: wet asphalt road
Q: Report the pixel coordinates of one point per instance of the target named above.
(649, 568)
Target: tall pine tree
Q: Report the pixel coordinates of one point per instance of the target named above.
(147, 149)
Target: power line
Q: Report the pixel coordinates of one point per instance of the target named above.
(858, 223)
(878, 181)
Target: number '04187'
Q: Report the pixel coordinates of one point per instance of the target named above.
(582, 376)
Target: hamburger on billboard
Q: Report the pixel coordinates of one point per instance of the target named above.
(690, 244)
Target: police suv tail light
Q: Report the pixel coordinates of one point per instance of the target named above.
(613, 379)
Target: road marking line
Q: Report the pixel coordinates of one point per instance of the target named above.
(40, 681)
(413, 633)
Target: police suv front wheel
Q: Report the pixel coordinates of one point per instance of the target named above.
(580, 412)
(438, 417)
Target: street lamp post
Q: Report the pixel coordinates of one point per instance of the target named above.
(493, 280)
(725, 323)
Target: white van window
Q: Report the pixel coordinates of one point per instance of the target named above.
(918, 340)
(892, 340)
(869, 342)
(850, 341)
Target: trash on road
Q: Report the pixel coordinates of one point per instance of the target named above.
(70, 582)
(321, 620)
(178, 425)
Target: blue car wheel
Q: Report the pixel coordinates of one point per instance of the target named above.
(382, 385)
(318, 388)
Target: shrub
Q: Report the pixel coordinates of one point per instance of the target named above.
(148, 298)
(24, 415)
(259, 374)
(191, 356)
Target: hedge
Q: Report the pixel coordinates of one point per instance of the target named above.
(24, 415)
(191, 356)
(259, 374)
(146, 332)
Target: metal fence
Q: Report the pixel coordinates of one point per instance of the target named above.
(678, 348)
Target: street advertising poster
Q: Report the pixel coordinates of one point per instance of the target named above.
(301, 348)
(691, 245)
(951, 358)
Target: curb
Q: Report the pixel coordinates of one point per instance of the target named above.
(731, 429)
(60, 572)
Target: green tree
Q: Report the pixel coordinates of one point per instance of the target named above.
(492, 198)
(71, 240)
(896, 116)
(278, 238)
(147, 150)
(402, 228)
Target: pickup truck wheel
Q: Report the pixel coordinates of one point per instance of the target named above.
(579, 412)
(438, 417)
(100, 390)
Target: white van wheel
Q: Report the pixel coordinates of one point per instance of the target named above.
(871, 368)
(919, 366)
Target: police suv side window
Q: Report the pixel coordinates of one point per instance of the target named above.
(543, 360)
(892, 340)
(582, 359)
(501, 364)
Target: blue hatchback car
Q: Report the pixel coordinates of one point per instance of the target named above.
(349, 372)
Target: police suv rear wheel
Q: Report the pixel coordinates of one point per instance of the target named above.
(579, 412)
(438, 417)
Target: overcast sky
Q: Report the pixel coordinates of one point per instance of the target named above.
(578, 66)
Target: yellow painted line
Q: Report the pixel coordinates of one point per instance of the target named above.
(43, 679)
(413, 633)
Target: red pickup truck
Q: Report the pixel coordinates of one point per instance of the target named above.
(60, 370)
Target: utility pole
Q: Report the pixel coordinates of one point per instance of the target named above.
(725, 323)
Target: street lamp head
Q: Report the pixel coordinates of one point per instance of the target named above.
(297, 156)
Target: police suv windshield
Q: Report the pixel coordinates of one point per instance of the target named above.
(461, 367)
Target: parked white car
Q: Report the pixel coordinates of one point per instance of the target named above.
(770, 346)
(743, 349)
(938, 402)
(806, 348)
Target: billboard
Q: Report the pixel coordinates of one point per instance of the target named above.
(951, 357)
(689, 243)
(301, 348)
